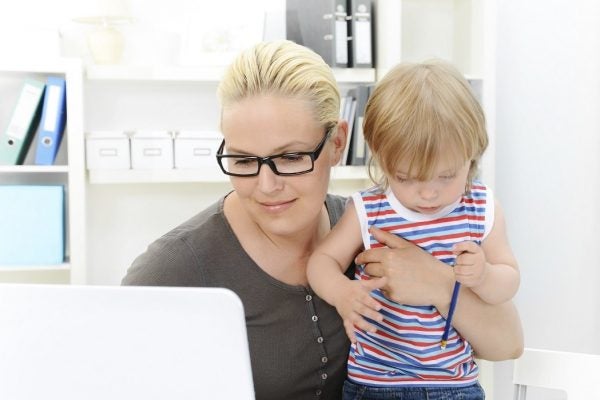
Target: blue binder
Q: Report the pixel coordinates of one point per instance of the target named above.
(52, 124)
(32, 221)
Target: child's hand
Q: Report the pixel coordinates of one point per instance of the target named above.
(354, 302)
(470, 266)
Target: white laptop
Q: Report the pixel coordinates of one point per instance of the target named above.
(111, 343)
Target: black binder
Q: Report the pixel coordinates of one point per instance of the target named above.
(358, 147)
(321, 25)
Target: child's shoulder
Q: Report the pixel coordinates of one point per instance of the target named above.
(372, 191)
(478, 189)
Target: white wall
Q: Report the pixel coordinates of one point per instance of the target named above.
(548, 165)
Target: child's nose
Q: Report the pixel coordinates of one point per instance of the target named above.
(427, 192)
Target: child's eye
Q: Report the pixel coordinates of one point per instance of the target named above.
(401, 179)
(448, 177)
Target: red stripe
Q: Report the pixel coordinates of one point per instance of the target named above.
(402, 311)
(414, 328)
(446, 237)
(396, 339)
(374, 197)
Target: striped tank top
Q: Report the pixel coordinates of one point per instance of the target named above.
(405, 350)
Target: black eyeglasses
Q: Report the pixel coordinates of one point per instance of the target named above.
(285, 164)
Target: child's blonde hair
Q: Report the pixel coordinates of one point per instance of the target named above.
(283, 68)
(416, 113)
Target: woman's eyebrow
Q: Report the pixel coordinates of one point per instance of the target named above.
(277, 150)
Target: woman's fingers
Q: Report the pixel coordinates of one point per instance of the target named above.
(389, 239)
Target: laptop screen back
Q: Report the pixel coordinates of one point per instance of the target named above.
(93, 342)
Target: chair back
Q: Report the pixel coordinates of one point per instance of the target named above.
(575, 373)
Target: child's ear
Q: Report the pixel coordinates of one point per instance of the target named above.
(339, 138)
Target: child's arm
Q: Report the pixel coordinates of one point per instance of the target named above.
(325, 272)
(491, 271)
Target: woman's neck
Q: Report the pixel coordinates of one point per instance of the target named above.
(284, 257)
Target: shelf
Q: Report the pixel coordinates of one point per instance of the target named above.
(43, 169)
(156, 73)
(53, 66)
(100, 176)
(198, 74)
(104, 176)
(35, 268)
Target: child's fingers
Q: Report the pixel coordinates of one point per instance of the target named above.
(463, 270)
(368, 311)
(465, 247)
(368, 286)
(359, 322)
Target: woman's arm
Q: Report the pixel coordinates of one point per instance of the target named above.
(417, 278)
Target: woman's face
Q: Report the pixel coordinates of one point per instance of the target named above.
(269, 125)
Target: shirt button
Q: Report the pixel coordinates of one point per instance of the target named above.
(320, 339)
(308, 297)
(323, 376)
(315, 318)
(319, 392)
(324, 360)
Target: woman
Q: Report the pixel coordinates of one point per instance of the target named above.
(280, 108)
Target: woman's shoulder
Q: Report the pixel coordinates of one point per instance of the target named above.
(336, 205)
(170, 259)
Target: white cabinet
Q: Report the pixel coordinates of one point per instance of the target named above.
(67, 171)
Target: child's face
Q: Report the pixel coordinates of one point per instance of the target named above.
(429, 197)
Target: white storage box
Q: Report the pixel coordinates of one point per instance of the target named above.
(152, 150)
(107, 150)
(197, 149)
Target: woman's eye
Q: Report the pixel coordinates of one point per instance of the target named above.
(241, 162)
(290, 158)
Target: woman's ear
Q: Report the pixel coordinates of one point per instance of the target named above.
(339, 138)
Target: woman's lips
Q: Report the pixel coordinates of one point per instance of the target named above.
(276, 207)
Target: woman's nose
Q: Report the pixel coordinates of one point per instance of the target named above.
(268, 181)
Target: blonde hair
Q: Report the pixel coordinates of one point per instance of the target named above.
(286, 69)
(416, 113)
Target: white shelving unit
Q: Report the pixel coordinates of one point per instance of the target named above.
(134, 77)
(69, 171)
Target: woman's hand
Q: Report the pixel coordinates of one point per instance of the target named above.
(413, 276)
